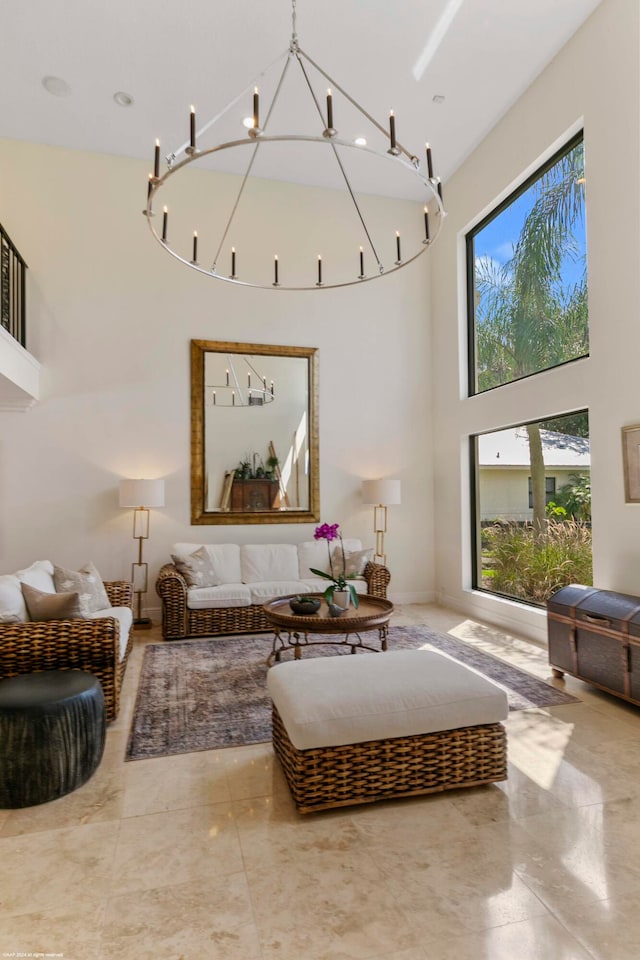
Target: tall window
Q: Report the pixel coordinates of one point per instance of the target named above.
(527, 284)
(522, 551)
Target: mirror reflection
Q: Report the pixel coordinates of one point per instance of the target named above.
(254, 433)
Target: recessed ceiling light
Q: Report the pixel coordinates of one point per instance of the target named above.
(360, 142)
(123, 99)
(438, 98)
(56, 86)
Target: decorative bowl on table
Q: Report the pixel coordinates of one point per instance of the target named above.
(302, 607)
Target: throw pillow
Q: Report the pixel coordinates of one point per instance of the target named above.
(12, 605)
(197, 568)
(87, 582)
(51, 606)
(39, 574)
(354, 561)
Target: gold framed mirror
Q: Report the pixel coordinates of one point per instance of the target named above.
(254, 433)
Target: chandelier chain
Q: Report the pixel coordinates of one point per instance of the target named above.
(235, 207)
(294, 35)
(339, 162)
(250, 165)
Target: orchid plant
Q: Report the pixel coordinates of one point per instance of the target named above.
(329, 532)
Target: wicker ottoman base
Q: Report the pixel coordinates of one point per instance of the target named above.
(325, 777)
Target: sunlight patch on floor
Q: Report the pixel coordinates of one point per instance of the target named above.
(537, 743)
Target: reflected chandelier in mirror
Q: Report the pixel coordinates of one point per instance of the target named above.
(254, 433)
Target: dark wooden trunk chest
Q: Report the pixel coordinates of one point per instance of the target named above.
(595, 635)
(250, 496)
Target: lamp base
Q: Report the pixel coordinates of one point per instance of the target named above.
(144, 623)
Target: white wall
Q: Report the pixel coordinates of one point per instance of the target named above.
(110, 318)
(594, 81)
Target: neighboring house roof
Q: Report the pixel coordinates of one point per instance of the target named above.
(510, 448)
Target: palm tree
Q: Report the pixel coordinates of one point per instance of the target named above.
(527, 318)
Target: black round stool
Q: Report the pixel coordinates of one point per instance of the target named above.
(52, 733)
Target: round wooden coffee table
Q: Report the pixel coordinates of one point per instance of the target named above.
(293, 632)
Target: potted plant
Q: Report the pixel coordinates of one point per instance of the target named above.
(272, 463)
(245, 469)
(304, 605)
(340, 592)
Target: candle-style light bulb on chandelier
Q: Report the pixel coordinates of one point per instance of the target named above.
(221, 247)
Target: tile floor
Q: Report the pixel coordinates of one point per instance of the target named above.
(203, 855)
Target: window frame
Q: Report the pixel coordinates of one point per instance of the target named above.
(472, 387)
(475, 530)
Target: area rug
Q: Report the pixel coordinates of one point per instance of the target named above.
(205, 694)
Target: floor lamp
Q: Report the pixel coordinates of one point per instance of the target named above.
(141, 494)
(381, 493)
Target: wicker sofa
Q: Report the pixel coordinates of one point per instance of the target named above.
(100, 644)
(249, 575)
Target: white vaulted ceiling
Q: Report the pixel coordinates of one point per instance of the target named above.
(480, 55)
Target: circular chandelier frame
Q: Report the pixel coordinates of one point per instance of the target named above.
(189, 152)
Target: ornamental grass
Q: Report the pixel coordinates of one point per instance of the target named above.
(517, 563)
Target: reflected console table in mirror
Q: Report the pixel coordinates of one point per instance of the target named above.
(254, 433)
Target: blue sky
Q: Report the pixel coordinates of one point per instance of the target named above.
(497, 240)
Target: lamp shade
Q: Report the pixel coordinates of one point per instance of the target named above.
(383, 491)
(142, 493)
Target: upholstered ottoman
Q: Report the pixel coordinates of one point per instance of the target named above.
(357, 729)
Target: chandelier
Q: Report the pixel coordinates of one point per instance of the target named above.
(234, 392)
(239, 236)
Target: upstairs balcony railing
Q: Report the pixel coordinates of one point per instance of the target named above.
(13, 271)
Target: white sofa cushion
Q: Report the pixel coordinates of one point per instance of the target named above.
(13, 608)
(270, 589)
(319, 586)
(226, 595)
(225, 559)
(124, 616)
(38, 575)
(313, 585)
(262, 562)
(330, 701)
(314, 553)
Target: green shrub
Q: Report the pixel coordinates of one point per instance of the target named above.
(518, 564)
(575, 497)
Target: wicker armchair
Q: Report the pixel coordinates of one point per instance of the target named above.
(179, 622)
(91, 645)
